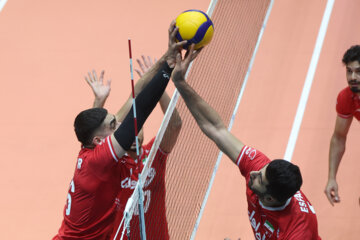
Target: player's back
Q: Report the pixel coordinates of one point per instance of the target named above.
(91, 201)
(298, 220)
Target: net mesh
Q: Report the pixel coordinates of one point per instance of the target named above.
(217, 75)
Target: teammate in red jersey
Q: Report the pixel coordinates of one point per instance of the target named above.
(277, 208)
(92, 197)
(154, 187)
(347, 108)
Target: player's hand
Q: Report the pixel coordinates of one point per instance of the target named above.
(331, 191)
(100, 89)
(182, 65)
(174, 47)
(144, 65)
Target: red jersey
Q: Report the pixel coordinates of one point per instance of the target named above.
(348, 104)
(296, 220)
(154, 197)
(92, 197)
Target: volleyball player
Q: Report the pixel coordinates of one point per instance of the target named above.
(92, 197)
(277, 208)
(347, 108)
(154, 186)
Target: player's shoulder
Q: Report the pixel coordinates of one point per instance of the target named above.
(148, 145)
(251, 153)
(251, 159)
(345, 94)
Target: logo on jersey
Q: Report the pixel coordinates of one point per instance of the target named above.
(165, 75)
(256, 226)
(269, 226)
(251, 153)
(128, 183)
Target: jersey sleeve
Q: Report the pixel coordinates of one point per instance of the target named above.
(343, 104)
(251, 159)
(303, 231)
(103, 158)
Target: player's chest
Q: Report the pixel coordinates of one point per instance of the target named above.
(263, 225)
(356, 108)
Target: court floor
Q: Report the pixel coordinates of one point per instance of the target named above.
(48, 46)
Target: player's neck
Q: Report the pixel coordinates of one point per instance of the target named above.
(271, 204)
(133, 154)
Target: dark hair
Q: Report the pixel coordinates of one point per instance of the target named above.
(352, 54)
(284, 179)
(87, 122)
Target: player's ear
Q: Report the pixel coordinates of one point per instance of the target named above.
(96, 140)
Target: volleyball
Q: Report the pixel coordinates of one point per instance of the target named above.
(194, 26)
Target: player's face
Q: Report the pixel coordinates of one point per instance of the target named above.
(353, 76)
(109, 126)
(258, 181)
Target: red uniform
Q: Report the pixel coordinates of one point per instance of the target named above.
(92, 198)
(296, 220)
(154, 197)
(348, 104)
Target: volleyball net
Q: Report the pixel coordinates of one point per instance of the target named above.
(174, 205)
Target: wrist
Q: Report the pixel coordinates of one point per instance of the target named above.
(99, 102)
(331, 177)
(100, 99)
(171, 61)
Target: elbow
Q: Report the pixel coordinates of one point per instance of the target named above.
(212, 131)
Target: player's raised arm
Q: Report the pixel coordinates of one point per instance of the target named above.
(147, 99)
(149, 70)
(175, 123)
(206, 117)
(100, 89)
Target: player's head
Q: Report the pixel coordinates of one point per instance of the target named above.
(276, 182)
(93, 125)
(351, 60)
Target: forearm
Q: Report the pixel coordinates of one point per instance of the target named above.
(336, 152)
(145, 103)
(173, 128)
(148, 75)
(139, 86)
(203, 113)
(99, 103)
(175, 120)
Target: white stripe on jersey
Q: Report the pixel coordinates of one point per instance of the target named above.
(345, 116)
(242, 153)
(111, 149)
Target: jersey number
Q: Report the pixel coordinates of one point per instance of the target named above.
(71, 190)
(147, 199)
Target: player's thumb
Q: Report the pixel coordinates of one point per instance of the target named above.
(336, 193)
